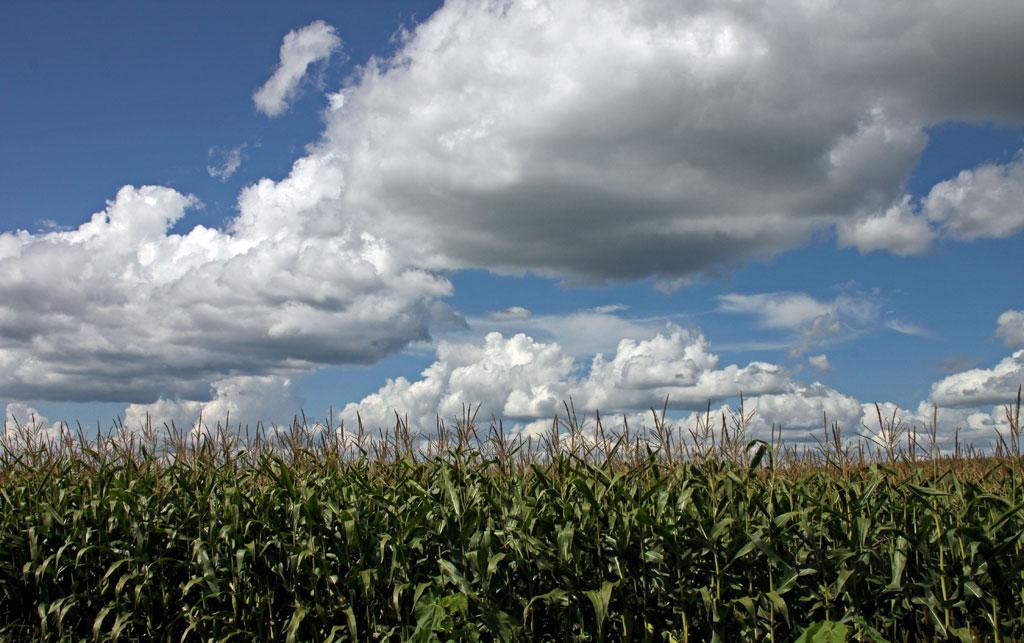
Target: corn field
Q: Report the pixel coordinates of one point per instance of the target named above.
(314, 534)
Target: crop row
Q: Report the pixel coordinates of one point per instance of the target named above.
(301, 546)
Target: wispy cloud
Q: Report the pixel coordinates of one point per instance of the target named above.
(909, 328)
(811, 321)
(957, 363)
(786, 310)
(225, 161)
(815, 322)
(510, 313)
(581, 333)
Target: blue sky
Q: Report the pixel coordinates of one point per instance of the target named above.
(704, 182)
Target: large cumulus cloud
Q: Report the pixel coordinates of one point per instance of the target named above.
(122, 309)
(622, 140)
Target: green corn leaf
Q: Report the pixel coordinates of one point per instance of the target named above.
(825, 632)
(600, 600)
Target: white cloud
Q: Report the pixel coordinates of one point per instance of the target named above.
(509, 132)
(580, 333)
(802, 410)
(23, 423)
(678, 365)
(226, 161)
(120, 309)
(21, 414)
(898, 230)
(525, 382)
(908, 328)
(513, 377)
(609, 308)
(816, 322)
(980, 386)
(960, 395)
(509, 314)
(788, 310)
(300, 49)
(1010, 326)
(813, 321)
(521, 379)
(233, 402)
(984, 203)
(820, 362)
(977, 426)
(508, 136)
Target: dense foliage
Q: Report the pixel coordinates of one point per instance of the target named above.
(302, 543)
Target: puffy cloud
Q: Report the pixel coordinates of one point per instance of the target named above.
(971, 426)
(513, 377)
(802, 410)
(806, 414)
(898, 230)
(976, 426)
(525, 382)
(233, 402)
(960, 394)
(509, 132)
(678, 366)
(300, 49)
(121, 309)
(21, 414)
(521, 379)
(22, 423)
(820, 362)
(979, 386)
(984, 203)
(1010, 326)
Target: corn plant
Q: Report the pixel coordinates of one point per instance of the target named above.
(333, 533)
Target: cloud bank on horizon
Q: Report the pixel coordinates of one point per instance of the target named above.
(510, 137)
(525, 383)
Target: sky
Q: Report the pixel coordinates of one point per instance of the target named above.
(249, 211)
